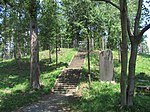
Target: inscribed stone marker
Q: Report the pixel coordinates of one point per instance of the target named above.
(106, 65)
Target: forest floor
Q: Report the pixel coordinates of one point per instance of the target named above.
(57, 102)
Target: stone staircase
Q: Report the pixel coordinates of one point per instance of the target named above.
(78, 60)
(67, 82)
(65, 87)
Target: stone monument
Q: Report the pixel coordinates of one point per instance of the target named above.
(106, 65)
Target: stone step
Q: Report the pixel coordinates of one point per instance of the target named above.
(74, 66)
(65, 84)
(144, 88)
(69, 80)
(70, 91)
(59, 89)
(70, 73)
(141, 80)
(59, 92)
(76, 63)
(64, 87)
(71, 77)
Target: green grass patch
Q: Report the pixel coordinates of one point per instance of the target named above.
(105, 97)
(102, 97)
(14, 82)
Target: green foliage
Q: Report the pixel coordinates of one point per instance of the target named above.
(14, 83)
(142, 64)
(102, 97)
(48, 14)
(59, 23)
(105, 96)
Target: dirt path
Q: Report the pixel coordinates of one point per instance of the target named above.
(63, 91)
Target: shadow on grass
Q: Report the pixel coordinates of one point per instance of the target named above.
(116, 63)
(10, 74)
(117, 77)
(143, 76)
(102, 99)
(142, 82)
(106, 98)
(84, 75)
(144, 55)
(45, 66)
(11, 77)
(19, 98)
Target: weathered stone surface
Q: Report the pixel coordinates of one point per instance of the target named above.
(106, 65)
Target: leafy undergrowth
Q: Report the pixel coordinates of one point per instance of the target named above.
(105, 97)
(14, 81)
(102, 97)
(142, 67)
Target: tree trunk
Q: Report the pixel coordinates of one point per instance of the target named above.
(15, 50)
(4, 34)
(109, 44)
(131, 75)
(61, 42)
(3, 49)
(124, 50)
(99, 43)
(119, 51)
(50, 57)
(88, 55)
(56, 52)
(19, 51)
(34, 70)
(19, 42)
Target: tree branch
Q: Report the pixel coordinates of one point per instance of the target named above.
(130, 32)
(144, 30)
(138, 16)
(110, 2)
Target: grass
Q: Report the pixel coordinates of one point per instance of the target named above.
(104, 96)
(101, 97)
(14, 82)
